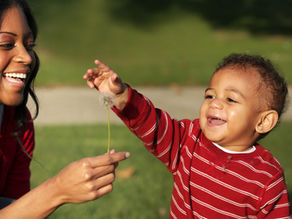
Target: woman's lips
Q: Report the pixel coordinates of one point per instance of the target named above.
(15, 79)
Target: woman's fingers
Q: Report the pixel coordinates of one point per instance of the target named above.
(99, 187)
(103, 170)
(106, 159)
(103, 191)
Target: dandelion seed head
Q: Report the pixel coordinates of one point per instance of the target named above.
(106, 99)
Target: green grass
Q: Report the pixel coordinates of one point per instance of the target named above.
(177, 46)
(144, 195)
(278, 142)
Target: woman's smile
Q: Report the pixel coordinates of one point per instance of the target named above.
(16, 78)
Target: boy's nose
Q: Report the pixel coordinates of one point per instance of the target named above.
(216, 103)
(23, 56)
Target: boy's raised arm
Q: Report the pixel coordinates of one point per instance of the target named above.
(106, 81)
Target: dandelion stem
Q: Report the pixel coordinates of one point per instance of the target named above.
(108, 130)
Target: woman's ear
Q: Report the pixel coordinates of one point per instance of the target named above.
(267, 121)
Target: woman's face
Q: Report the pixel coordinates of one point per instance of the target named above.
(16, 56)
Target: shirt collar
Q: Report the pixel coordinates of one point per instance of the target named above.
(250, 150)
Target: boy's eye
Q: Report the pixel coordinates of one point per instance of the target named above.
(231, 100)
(208, 96)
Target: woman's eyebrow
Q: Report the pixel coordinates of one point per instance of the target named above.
(6, 32)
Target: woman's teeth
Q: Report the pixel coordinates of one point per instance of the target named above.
(15, 75)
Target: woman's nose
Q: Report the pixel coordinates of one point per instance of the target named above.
(23, 56)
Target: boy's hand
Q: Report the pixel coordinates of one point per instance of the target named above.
(105, 80)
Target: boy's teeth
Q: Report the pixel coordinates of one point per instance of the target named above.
(16, 75)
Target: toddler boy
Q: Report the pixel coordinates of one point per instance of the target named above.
(219, 169)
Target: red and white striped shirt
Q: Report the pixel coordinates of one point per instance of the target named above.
(208, 182)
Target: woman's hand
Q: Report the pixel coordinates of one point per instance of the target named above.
(80, 181)
(88, 178)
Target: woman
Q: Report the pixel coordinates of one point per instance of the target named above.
(83, 180)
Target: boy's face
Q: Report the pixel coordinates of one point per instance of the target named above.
(231, 108)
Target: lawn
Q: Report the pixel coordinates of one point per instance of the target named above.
(146, 192)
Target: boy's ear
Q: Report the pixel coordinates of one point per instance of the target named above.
(267, 121)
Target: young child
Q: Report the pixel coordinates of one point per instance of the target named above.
(219, 169)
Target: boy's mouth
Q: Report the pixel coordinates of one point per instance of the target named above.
(215, 121)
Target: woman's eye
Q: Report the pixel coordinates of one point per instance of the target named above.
(30, 46)
(7, 46)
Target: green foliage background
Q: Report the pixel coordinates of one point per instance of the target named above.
(157, 42)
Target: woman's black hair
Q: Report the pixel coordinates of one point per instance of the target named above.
(21, 110)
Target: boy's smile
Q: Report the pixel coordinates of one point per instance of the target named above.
(232, 107)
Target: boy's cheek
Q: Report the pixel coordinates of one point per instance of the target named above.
(203, 110)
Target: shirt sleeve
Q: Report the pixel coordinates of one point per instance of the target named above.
(160, 134)
(18, 179)
(275, 199)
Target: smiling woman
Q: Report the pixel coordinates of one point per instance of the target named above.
(83, 180)
(17, 58)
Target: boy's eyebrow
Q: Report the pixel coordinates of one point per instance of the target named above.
(208, 89)
(236, 91)
(230, 90)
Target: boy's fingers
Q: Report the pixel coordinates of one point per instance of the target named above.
(116, 79)
(97, 62)
(90, 84)
(103, 67)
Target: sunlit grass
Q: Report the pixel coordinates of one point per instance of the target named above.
(146, 193)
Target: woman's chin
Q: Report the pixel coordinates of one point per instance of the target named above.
(16, 100)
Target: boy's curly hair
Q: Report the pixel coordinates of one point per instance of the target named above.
(274, 83)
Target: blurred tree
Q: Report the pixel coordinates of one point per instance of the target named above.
(257, 16)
